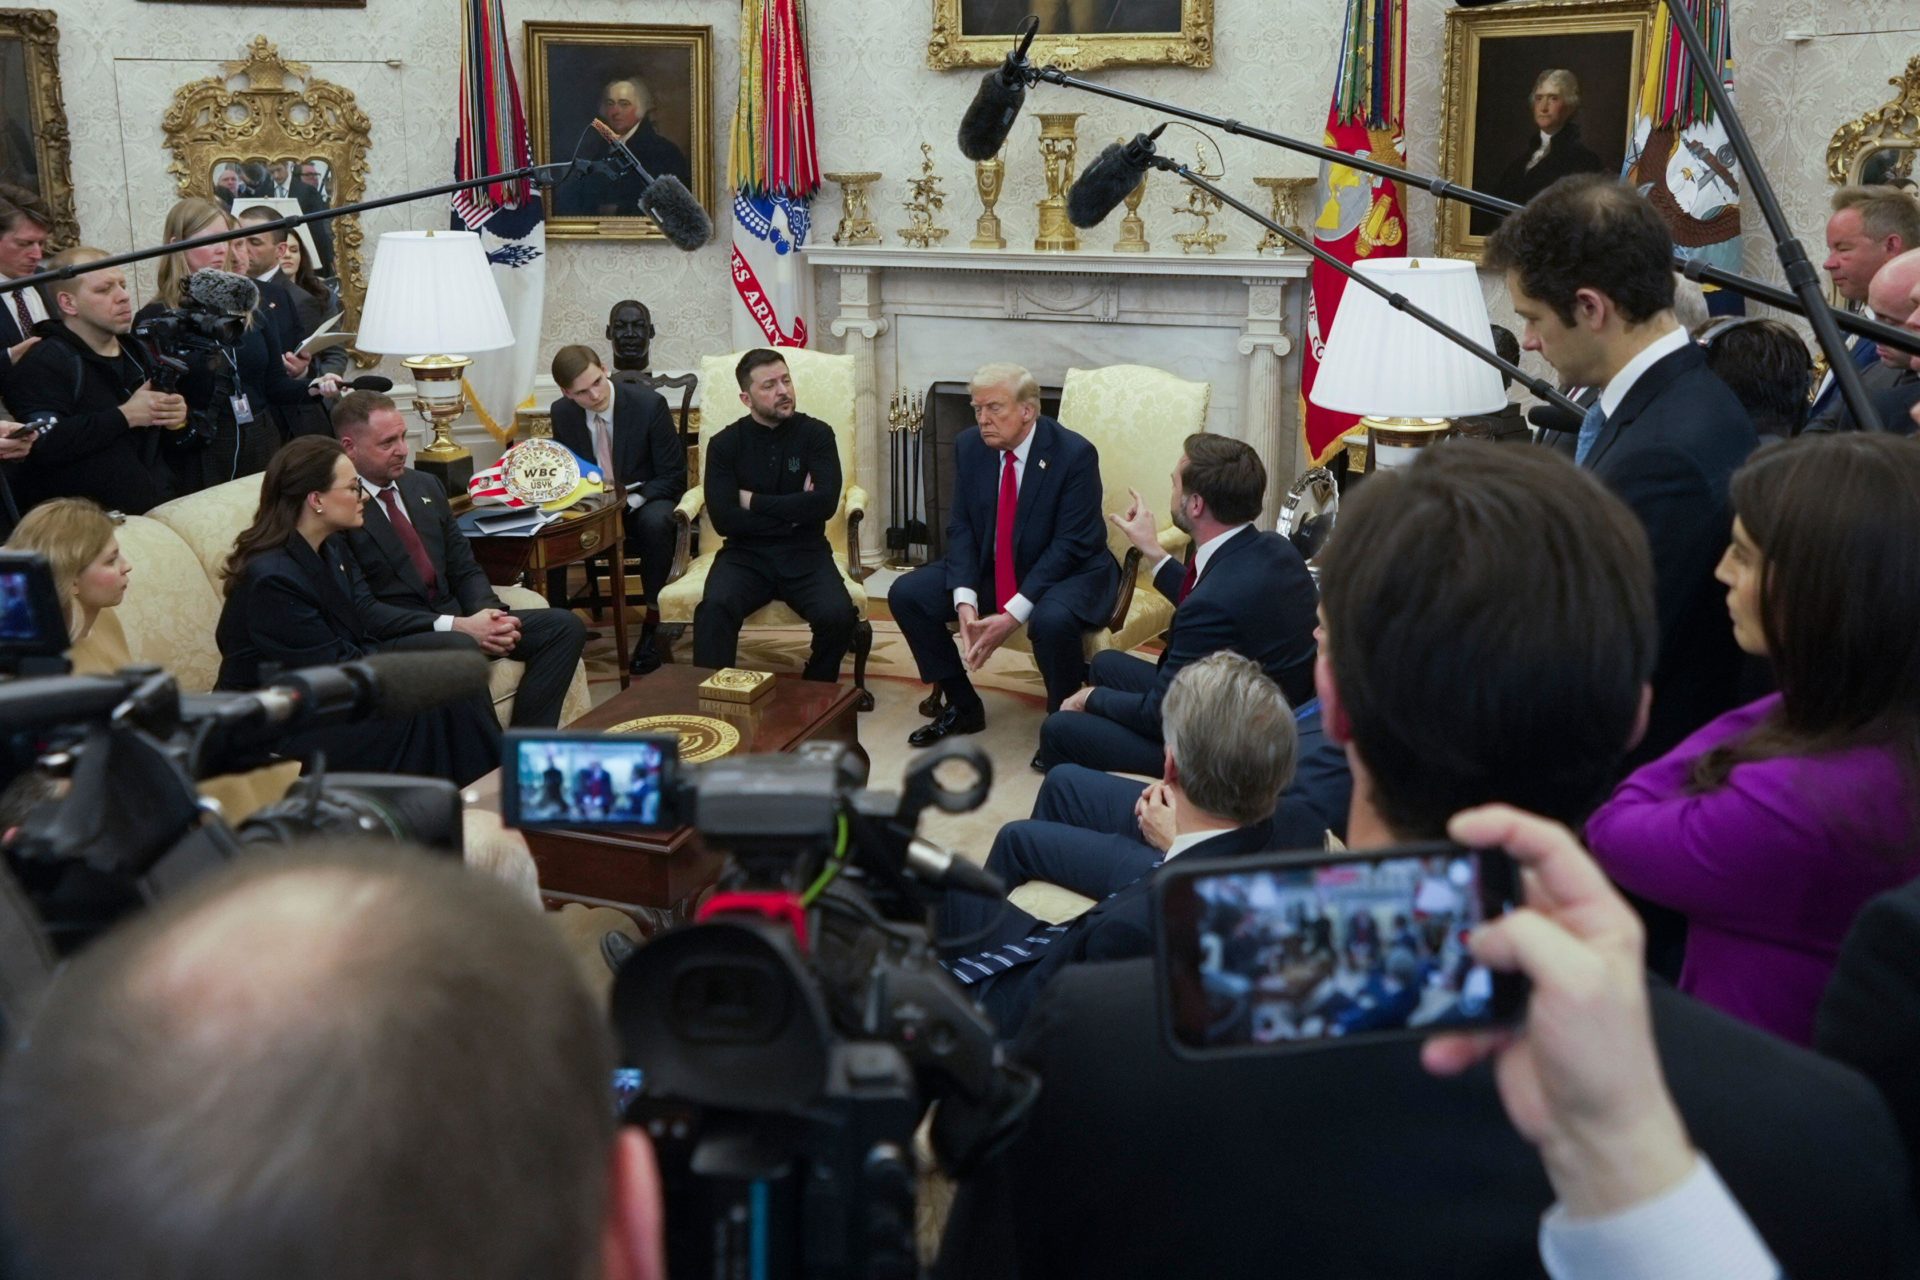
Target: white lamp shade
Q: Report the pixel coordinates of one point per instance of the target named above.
(432, 293)
(1382, 362)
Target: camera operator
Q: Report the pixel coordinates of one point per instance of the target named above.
(105, 444)
(349, 1063)
(231, 391)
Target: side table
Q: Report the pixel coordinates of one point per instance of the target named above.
(576, 536)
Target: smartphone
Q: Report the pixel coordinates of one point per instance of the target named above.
(559, 779)
(1294, 950)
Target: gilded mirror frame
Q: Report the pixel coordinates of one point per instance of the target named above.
(38, 34)
(1894, 124)
(263, 107)
(951, 46)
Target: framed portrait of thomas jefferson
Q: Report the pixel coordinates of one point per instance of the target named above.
(1534, 92)
(652, 85)
(33, 117)
(1075, 35)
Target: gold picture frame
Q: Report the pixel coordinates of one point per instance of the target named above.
(262, 112)
(1885, 138)
(1502, 48)
(572, 71)
(1075, 35)
(35, 151)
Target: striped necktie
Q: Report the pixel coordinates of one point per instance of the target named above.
(991, 963)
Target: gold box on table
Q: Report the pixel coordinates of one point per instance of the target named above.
(734, 684)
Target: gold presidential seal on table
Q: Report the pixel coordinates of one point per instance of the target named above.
(702, 738)
(541, 471)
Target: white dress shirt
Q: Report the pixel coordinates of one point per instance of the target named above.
(1622, 382)
(1697, 1231)
(1203, 553)
(1019, 608)
(375, 492)
(1540, 152)
(634, 500)
(1186, 840)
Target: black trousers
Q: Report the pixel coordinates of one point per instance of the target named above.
(744, 579)
(459, 741)
(650, 531)
(550, 645)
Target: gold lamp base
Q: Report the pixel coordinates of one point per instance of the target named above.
(1396, 442)
(438, 398)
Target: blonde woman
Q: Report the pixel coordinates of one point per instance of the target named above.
(80, 543)
(230, 391)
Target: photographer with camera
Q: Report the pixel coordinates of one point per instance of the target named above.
(230, 365)
(350, 1062)
(94, 385)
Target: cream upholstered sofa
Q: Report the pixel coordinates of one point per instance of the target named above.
(822, 388)
(174, 599)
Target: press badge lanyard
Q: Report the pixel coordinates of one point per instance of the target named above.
(242, 411)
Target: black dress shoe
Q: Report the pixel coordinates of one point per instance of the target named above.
(646, 658)
(1037, 764)
(616, 948)
(954, 720)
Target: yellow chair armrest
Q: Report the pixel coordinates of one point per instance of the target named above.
(692, 503)
(1172, 541)
(857, 500)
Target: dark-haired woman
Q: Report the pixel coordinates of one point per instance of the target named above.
(295, 598)
(1772, 826)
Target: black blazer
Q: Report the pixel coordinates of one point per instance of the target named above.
(1256, 598)
(647, 450)
(1670, 451)
(1566, 154)
(10, 335)
(1059, 532)
(293, 607)
(403, 604)
(1353, 1162)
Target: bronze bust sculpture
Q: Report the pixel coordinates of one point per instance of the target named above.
(630, 330)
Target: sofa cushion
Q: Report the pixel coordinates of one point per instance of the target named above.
(210, 520)
(170, 608)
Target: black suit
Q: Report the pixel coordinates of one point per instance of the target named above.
(1060, 558)
(1352, 1161)
(615, 191)
(1669, 451)
(1255, 598)
(649, 459)
(278, 308)
(11, 336)
(310, 201)
(294, 607)
(1118, 927)
(1566, 154)
(550, 639)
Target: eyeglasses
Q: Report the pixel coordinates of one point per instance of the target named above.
(356, 484)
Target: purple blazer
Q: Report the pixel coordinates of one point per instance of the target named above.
(1770, 869)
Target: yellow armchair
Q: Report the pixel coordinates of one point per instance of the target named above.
(823, 386)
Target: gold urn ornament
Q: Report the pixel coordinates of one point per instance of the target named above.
(989, 176)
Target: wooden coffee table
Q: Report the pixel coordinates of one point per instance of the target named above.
(656, 875)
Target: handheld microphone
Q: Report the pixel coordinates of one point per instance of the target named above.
(369, 382)
(996, 104)
(1099, 190)
(1551, 417)
(665, 199)
(223, 291)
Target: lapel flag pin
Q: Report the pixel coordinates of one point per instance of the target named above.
(1043, 464)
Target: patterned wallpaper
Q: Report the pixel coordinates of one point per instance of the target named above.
(1804, 66)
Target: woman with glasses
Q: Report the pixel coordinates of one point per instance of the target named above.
(295, 598)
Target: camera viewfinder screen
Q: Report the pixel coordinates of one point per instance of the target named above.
(602, 781)
(18, 622)
(1326, 951)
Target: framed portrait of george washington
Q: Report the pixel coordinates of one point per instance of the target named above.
(34, 151)
(1534, 91)
(1075, 35)
(652, 85)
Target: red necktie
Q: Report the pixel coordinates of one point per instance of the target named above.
(1005, 585)
(1187, 580)
(26, 317)
(410, 539)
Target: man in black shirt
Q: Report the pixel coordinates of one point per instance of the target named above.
(773, 481)
(103, 444)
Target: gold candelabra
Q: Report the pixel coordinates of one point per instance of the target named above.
(856, 223)
(1203, 238)
(1287, 196)
(1057, 145)
(925, 197)
(989, 176)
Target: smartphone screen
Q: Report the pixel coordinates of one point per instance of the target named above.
(1299, 949)
(589, 780)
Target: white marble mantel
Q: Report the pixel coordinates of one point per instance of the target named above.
(911, 317)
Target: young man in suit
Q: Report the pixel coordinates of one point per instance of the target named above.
(772, 483)
(1243, 589)
(1230, 749)
(25, 223)
(630, 433)
(1589, 266)
(1506, 572)
(416, 561)
(1026, 547)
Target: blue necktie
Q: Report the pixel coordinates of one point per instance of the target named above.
(983, 965)
(1589, 432)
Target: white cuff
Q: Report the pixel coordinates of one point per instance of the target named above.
(444, 622)
(1153, 566)
(1019, 609)
(1696, 1231)
(965, 595)
(634, 501)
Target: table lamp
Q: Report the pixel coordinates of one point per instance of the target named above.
(1404, 379)
(432, 295)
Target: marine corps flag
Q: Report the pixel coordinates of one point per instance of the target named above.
(1356, 215)
(773, 165)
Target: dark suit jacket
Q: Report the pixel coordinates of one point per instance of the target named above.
(1256, 598)
(1870, 1017)
(10, 335)
(1895, 406)
(1353, 1162)
(1059, 532)
(294, 607)
(1565, 154)
(647, 450)
(1669, 451)
(403, 605)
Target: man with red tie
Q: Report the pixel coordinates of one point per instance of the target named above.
(1026, 548)
(1241, 589)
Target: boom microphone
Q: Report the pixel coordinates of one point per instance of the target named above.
(223, 291)
(996, 104)
(1106, 182)
(665, 199)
